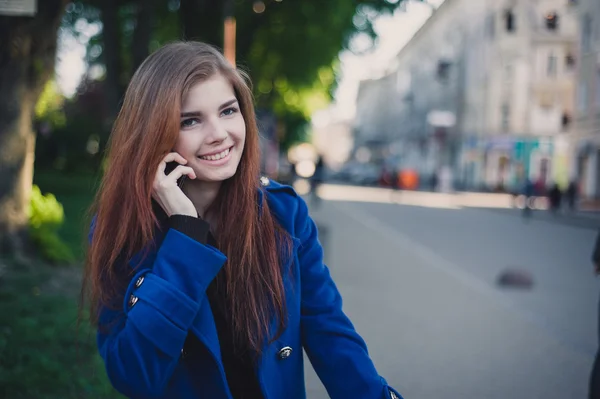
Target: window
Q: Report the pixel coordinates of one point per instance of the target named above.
(443, 70)
(552, 21)
(509, 19)
(505, 114)
(570, 61)
(552, 70)
(566, 120)
(586, 33)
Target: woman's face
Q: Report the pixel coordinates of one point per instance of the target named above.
(212, 130)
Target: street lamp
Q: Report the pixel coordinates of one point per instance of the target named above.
(229, 40)
(229, 26)
(229, 31)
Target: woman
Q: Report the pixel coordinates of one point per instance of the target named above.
(204, 280)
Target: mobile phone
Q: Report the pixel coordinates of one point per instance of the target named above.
(171, 167)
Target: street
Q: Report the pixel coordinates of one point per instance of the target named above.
(419, 283)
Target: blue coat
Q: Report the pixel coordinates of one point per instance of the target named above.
(142, 343)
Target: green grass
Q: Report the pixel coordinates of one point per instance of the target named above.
(75, 192)
(42, 352)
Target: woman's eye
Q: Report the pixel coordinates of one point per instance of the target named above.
(229, 111)
(189, 122)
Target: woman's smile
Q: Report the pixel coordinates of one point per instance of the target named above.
(217, 159)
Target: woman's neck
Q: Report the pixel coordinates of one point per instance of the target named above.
(202, 194)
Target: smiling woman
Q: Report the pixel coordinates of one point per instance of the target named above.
(209, 288)
(213, 132)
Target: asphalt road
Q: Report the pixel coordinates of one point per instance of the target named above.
(420, 285)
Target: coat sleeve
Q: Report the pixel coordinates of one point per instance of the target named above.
(141, 343)
(338, 354)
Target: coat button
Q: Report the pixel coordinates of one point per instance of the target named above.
(139, 282)
(393, 395)
(264, 180)
(133, 300)
(284, 353)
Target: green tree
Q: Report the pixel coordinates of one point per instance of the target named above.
(27, 53)
(289, 47)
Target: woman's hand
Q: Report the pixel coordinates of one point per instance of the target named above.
(166, 191)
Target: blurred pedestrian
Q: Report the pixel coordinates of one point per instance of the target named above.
(539, 187)
(316, 181)
(433, 181)
(445, 180)
(213, 287)
(571, 196)
(555, 198)
(594, 385)
(528, 193)
(386, 177)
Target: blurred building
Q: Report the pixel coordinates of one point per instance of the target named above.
(586, 140)
(377, 100)
(436, 69)
(485, 87)
(530, 92)
(411, 115)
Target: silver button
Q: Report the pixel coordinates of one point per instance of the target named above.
(284, 353)
(133, 300)
(393, 395)
(139, 282)
(264, 180)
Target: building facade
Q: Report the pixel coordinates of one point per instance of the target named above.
(586, 138)
(487, 88)
(374, 125)
(529, 95)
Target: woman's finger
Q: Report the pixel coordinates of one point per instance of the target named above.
(170, 157)
(181, 171)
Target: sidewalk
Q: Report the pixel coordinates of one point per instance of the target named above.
(588, 215)
(424, 315)
(589, 205)
(582, 219)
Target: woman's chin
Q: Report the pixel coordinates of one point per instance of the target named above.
(215, 176)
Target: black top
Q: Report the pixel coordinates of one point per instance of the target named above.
(238, 359)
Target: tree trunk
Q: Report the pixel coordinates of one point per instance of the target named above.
(111, 52)
(27, 57)
(202, 20)
(143, 31)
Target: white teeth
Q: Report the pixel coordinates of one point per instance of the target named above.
(216, 157)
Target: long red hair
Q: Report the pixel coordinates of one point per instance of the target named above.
(145, 130)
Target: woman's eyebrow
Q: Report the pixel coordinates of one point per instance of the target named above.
(198, 113)
(228, 103)
(191, 114)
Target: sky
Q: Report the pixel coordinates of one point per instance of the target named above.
(394, 31)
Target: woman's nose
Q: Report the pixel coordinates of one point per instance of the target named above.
(217, 132)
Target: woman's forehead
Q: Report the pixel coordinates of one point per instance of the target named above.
(209, 93)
